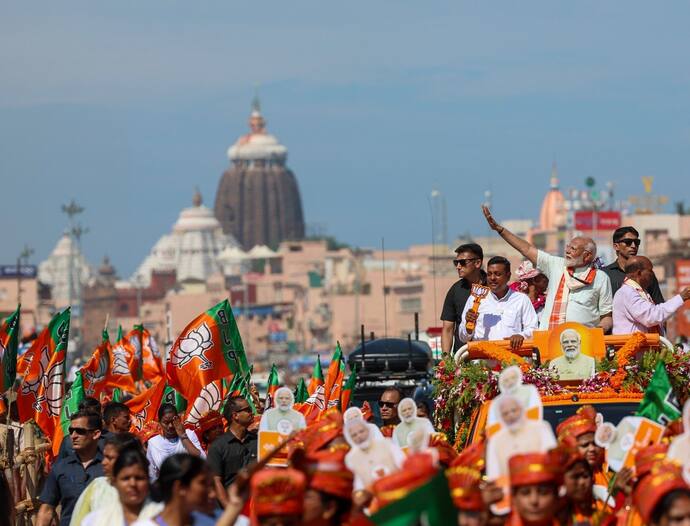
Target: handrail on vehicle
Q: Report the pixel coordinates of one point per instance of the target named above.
(470, 350)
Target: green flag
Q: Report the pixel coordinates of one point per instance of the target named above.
(9, 341)
(171, 396)
(71, 403)
(430, 503)
(272, 386)
(660, 403)
(117, 395)
(301, 393)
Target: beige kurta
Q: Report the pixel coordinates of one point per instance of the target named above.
(580, 368)
(531, 436)
(381, 459)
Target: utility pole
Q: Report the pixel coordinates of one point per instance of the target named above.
(75, 232)
(72, 210)
(24, 256)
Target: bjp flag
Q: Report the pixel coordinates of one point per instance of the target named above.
(43, 387)
(9, 342)
(147, 363)
(119, 371)
(94, 373)
(210, 347)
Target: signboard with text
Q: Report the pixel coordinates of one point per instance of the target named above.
(589, 220)
(12, 271)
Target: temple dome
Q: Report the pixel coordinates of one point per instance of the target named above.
(553, 213)
(55, 271)
(258, 199)
(192, 249)
(257, 144)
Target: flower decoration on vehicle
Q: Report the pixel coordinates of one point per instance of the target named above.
(461, 390)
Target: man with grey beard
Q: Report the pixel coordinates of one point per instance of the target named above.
(577, 291)
(573, 365)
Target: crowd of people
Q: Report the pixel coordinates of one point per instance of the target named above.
(343, 468)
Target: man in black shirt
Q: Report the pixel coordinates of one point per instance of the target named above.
(234, 450)
(626, 242)
(71, 474)
(468, 262)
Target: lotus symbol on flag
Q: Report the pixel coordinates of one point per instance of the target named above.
(33, 386)
(139, 419)
(120, 363)
(54, 389)
(209, 398)
(194, 344)
(95, 377)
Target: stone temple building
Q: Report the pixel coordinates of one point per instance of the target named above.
(258, 200)
(194, 249)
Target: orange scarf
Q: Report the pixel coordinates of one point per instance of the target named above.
(569, 282)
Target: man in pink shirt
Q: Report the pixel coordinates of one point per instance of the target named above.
(633, 308)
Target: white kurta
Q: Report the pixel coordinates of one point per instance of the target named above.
(160, 448)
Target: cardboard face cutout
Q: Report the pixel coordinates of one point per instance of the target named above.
(282, 418)
(625, 440)
(510, 383)
(409, 423)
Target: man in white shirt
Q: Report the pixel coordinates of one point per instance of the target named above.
(577, 291)
(503, 313)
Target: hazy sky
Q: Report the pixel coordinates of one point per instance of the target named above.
(127, 106)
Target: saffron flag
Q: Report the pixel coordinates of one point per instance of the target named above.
(149, 365)
(9, 342)
(43, 387)
(70, 406)
(144, 406)
(334, 378)
(273, 384)
(210, 398)
(301, 393)
(210, 347)
(119, 368)
(316, 377)
(94, 374)
(346, 393)
(660, 403)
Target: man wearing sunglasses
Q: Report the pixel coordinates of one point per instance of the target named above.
(468, 263)
(70, 475)
(626, 243)
(234, 450)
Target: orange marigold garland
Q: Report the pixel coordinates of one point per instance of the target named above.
(630, 349)
(495, 352)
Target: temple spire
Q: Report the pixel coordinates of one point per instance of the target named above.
(554, 176)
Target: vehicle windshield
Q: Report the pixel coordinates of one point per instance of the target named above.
(614, 412)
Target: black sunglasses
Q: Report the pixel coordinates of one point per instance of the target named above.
(629, 242)
(243, 409)
(387, 404)
(463, 262)
(81, 431)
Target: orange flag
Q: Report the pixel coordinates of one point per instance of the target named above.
(210, 347)
(334, 379)
(147, 363)
(43, 386)
(119, 371)
(210, 398)
(94, 373)
(144, 406)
